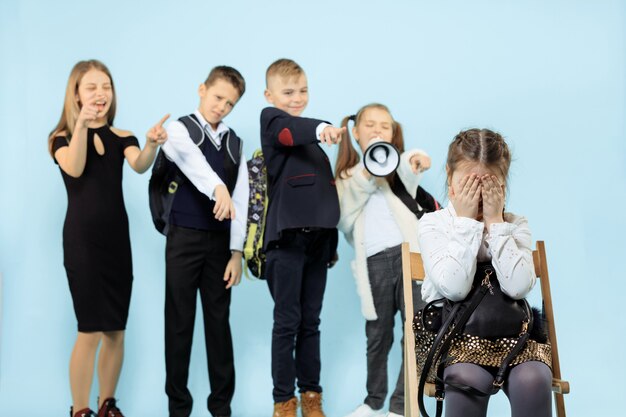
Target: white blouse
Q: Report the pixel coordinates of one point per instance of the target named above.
(381, 228)
(451, 246)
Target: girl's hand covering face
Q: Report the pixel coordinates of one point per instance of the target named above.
(493, 199)
(466, 196)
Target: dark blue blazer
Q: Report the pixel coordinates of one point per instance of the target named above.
(302, 191)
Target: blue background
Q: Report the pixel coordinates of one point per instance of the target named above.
(549, 75)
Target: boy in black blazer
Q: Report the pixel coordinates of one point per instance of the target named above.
(300, 234)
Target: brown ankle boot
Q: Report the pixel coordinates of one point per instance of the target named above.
(311, 404)
(287, 408)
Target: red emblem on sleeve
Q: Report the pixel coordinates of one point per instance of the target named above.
(285, 138)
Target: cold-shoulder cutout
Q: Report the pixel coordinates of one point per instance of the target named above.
(121, 133)
(129, 141)
(127, 137)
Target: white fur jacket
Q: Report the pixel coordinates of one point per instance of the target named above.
(354, 191)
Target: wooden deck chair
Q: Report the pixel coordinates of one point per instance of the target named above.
(413, 270)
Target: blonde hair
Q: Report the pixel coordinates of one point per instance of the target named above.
(283, 68)
(347, 157)
(71, 106)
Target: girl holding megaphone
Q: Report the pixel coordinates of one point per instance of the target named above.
(381, 202)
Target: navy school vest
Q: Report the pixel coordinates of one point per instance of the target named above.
(191, 208)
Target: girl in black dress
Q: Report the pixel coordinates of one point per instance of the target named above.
(96, 244)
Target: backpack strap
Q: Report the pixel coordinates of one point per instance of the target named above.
(452, 327)
(167, 177)
(196, 133)
(194, 127)
(426, 200)
(498, 381)
(232, 158)
(422, 203)
(449, 330)
(233, 146)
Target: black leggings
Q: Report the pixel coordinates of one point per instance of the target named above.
(528, 387)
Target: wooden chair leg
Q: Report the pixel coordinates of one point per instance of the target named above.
(410, 364)
(549, 312)
(410, 381)
(559, 405)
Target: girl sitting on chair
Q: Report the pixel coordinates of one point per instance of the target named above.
(474, 228)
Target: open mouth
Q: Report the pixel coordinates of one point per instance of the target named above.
(100, 105)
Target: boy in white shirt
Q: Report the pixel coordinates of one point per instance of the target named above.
(204, 241)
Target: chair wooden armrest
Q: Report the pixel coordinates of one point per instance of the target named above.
(559, 386)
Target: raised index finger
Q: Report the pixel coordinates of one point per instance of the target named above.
(163, 119)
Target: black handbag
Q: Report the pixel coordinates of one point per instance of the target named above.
(486, 312)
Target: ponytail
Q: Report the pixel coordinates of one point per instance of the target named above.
(347, 157)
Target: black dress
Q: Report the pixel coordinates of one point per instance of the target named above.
(96, 245)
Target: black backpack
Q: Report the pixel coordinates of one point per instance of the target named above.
(166, 177)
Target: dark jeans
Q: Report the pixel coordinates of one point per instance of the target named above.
(196, 261)
(385, 276)
(296, 276)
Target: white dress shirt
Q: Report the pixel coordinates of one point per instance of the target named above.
(181, 150)
(451, 246)
(320, 128)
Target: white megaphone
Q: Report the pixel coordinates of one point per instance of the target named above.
(381, 158)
